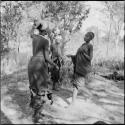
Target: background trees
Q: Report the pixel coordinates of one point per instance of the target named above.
(61, 17)
(10, 20)
(115, 13)
(66, 15)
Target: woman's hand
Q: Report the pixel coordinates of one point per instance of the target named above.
(87, 56)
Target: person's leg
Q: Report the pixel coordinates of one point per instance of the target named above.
(88, 79)
(84, 88)
(31, 80)
(54, 85)
(39, 82)
(75, 92)
(75, 89)
(80, 82)
(55, 78)
(30, 74)
(38, 87)
(31, 86)
(54, 82)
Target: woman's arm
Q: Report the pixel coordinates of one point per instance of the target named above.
(91, 54)
(47, 58)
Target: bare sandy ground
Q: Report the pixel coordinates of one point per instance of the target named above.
(107, 103)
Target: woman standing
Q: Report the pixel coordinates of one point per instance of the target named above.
(82, 65)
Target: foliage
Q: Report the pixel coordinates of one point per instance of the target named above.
(68, 17)
(66, 13)
(10, 19)
(115, 12)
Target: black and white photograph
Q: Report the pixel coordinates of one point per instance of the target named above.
(62, 62)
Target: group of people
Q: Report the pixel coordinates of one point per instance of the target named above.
(40, 66)
(41, 61)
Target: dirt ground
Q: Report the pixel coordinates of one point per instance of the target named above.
(107, 103)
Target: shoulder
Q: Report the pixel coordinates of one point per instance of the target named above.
(43, 39)
(81, 47)
(35, 36)
(90, 46)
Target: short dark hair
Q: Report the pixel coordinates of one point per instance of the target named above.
(39, 27)
(91, 34)
(42, 31)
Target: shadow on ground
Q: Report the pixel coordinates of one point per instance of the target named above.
(4, 119)
(108, 99)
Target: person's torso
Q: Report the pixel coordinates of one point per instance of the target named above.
(56, 50)
(84, 48)
(83, 65)
(39, 44)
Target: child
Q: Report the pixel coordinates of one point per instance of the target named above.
(82, 65)
(57, 59)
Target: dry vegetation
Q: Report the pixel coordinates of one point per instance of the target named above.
(16, 49)
(19, 48)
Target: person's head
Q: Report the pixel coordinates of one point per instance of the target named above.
(89, 36)
(40, 26)
(36, 22)
(58, 39)
(41, 30)
(36, 32)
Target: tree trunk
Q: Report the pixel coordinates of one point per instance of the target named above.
(116, 42)
(118, 31)
(97, 33)
(108, 39)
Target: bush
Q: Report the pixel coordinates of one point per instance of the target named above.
(111, 60)
(67, 73)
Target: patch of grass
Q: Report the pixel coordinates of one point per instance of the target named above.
(112, 65)
(106, 56)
